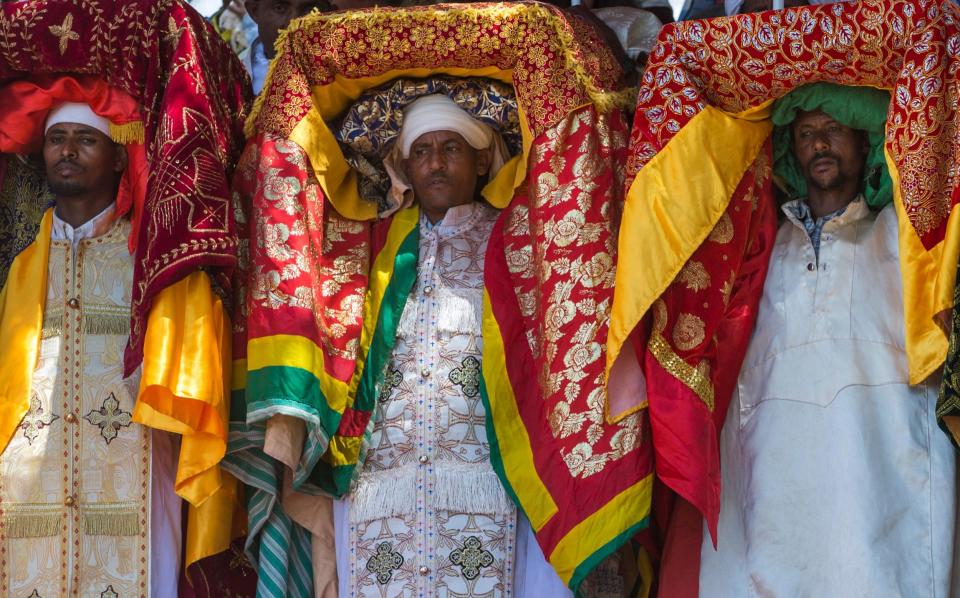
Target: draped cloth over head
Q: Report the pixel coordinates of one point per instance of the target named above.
(860, 108)
(321, 324)
(182, 126)
(696, 234)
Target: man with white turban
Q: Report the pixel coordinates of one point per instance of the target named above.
(88, 498)
(428, 515)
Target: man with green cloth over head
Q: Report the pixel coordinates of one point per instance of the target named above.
(836, 478)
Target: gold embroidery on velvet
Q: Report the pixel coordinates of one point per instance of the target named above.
(722, 233)
(688, 332)
(532, 41)
(694, 276)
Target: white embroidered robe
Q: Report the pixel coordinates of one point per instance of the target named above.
(836, 479)
(75, 479)
(428, 516)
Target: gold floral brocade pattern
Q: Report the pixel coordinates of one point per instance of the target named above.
(538, 46)
(910, 47)
(559, 250)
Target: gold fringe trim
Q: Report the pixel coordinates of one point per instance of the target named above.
(604, 101)
(52, 324)
(692, 378)
(131, 132)
(106, 523)
(31, 525)
(106, 324)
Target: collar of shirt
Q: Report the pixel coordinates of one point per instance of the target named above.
(96, 226)
(453, 218)
(799, 213)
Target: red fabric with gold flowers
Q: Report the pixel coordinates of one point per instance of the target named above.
(584, 483)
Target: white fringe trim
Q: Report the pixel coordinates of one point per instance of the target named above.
(470, 490)
(408, 320)
(389, 493)
(460, 310)
(461, 489)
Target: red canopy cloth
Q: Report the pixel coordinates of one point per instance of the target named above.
(698, 224)
(326, 284)
(192, 91)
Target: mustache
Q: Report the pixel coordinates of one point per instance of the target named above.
(68, 162)
(825, 154)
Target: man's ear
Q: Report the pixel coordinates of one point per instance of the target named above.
(120, 158)
(484, 157)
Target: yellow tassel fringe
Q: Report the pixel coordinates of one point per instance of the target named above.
(131, 132)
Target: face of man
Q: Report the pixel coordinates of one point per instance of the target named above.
(82, 161)
(443, 169)
(273, 15)
(831, 156)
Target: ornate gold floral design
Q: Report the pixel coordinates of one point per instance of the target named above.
(910, 47)
(688, 332)
(537, 44)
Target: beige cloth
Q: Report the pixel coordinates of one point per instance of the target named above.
(75, 478)
(284, 442)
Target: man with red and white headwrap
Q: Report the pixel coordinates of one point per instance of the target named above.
(88, 495)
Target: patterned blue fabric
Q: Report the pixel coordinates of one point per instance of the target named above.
(23, 199)
(368, 129)
(813, 226)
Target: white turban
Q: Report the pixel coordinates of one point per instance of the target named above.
(77, 113)
(429, 114)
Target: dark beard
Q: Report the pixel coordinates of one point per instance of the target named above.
(836, 182)
(66, 188)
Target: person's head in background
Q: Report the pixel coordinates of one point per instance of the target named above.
(358, 4)
(733, 7)
(271, 16)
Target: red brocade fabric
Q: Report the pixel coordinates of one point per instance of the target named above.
(693, 337)
(705, 318)
(910, 47)
(192, 91)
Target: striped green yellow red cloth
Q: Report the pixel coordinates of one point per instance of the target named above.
(326, 285)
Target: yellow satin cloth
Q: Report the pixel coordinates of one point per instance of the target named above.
(184, 385)
(703, 165)
(185, 389)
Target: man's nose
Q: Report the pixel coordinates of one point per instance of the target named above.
(69, 148)
(437, 161)
(820, 142)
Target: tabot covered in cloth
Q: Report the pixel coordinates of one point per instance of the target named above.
(319, 330)
(176, 96)
(699, 221)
